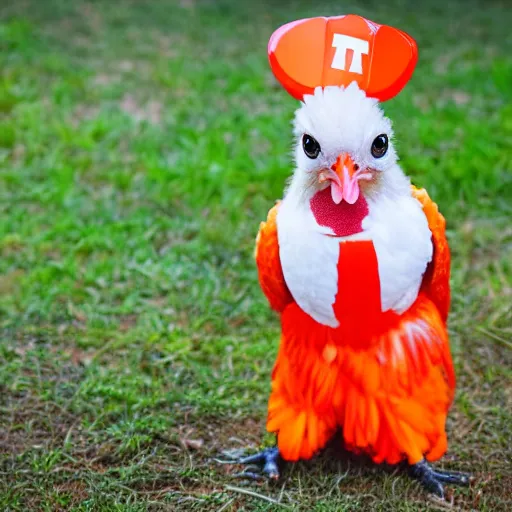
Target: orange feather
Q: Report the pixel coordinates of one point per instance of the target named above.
(269, 266)
(385, 379)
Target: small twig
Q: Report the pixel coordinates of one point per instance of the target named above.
(249, 474)
(158, 492)
(255, 495)
(226, 505)
(280, 499)
(338, 480)
(494, 336)
(440, 503)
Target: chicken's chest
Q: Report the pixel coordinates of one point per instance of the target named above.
(331, 252)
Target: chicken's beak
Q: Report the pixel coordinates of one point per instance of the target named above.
(344, 177)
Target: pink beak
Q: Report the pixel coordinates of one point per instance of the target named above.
(344, 177)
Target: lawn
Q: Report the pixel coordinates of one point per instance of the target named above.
(141, 143)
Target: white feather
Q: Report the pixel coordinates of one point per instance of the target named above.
(309, 260)
(402, 241)
(341, 120)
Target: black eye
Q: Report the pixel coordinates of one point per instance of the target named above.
(380, 145)
(310, 146)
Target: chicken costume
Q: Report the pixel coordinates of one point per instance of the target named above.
(355, 260)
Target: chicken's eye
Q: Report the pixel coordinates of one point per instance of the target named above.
(310, 146)
(380, 145)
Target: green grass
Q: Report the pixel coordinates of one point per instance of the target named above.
(141, 143)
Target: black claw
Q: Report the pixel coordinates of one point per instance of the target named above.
(268, 458)
(433, 479)
(452, 477)
(256, 458)
(433, 485)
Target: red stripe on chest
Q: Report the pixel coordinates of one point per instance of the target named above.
(357, 305)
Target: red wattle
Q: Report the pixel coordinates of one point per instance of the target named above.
(344, 219)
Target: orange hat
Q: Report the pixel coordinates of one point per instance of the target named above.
(314, 52)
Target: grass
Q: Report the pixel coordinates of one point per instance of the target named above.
(140, 145)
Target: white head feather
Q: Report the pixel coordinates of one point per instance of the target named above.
(345, 120)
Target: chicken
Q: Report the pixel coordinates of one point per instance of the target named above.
(355, 260)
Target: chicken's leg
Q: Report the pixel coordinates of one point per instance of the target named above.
(268, 459)
(433, 479)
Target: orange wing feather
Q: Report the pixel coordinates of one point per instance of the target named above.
(436, 282)
(270, 272)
